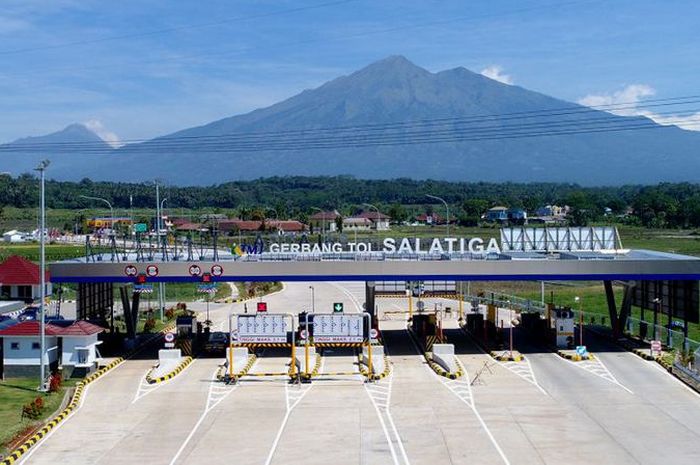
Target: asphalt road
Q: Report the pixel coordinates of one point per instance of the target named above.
(619, 409)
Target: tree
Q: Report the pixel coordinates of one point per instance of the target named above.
(339, 223)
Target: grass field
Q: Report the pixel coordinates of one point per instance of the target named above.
(16, 392)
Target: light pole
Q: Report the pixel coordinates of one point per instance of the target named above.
(323, 222)
(447, 210)
(376, 210)
(42, 271)
(111, 210)
(313, 299)
(577, 299)
(161, 285)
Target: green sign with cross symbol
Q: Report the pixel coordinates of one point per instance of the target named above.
(338, 307)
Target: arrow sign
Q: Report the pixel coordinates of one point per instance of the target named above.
(338, 307)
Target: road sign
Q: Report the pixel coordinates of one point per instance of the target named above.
(217, 270)
(302, 334)
(420, 305)
(337, 327)
(338, 307)
(581, 350)
(262, 306)
(656, 346)
(130, 270)
(234, 335)
(265, 327)
(143, 288)
(195, 270)
(140, 227)
(152, 271)
(207, 288)
(373, 333)
(169, 337)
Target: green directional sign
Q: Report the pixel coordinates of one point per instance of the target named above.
(338, 307)
(140, 227)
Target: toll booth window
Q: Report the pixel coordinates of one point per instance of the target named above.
(14, 346)
(35, 346)
(561, 328)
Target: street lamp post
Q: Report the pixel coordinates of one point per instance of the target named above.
(313, 299)
(447, 210)
(376, 210)
(161, 285)
(577, 299)
(42, 271)
(111, 210)
(323, 222)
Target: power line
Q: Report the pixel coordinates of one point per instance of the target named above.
(427, 126)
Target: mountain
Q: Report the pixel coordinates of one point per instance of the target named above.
(71, 148)
(394, 119)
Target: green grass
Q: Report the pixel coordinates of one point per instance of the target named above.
(54, 252)
(16, 392)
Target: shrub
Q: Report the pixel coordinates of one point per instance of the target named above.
(32, 410)
(149, 325)
(170, 313)
(55, 382)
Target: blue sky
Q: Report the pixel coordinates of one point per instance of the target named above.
(138, 69)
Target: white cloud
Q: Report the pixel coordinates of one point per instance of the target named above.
(626, 102)
(98, 128)
(495, 72)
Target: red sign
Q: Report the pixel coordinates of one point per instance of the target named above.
(262, 306)
(195, 270)
(206, 278)
(141, 279)
(152, 271)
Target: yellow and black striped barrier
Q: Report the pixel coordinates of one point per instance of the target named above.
(432, 364)
(338, 344)
(281, 373)
(70, 408)
(506, 356)
(374, 376)
(221, 373)
(181, 366)
(256, 345)
(574, 357)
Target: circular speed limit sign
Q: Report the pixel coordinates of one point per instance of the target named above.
(234, 335)
(169, 337)
(302, 334)
(130, 270)
(195, 270)
(373, 333)
(217, 270)
(152, 271)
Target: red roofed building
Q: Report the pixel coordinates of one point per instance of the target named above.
(20, 279)
(70, 346)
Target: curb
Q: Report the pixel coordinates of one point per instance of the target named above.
(503, 357)
(374, 376)
(221, 372)
(574, 357)
(437, 368)
(72, 405)
(181, 366)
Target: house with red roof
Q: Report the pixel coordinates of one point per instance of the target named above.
(71, 346)
(20, 279)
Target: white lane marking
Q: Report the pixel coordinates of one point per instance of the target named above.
(36, 446)
(292, 399)
(598, 368)
(464, 393)
(379, 394)
(145, 388)
(352, 297)
(525, 371)
(658, 367)
(217, 392)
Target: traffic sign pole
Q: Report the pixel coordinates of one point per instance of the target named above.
(230, 349)
(410, 306)
(306, 346)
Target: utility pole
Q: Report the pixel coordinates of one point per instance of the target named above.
(42, 271)
(161, 289)
(447, 211)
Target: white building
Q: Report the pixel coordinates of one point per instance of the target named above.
(71, 346)
(14, 236)
(355, 223)
(20, 279)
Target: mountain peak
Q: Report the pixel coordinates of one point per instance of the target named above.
(394, 64)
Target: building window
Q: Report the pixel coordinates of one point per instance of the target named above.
(36, 346)
(24, 292)
(5, 292)
(14, 345)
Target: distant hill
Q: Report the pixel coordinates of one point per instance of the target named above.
(376, 122)
(66, 149)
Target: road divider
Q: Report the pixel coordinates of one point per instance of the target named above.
(574, 356)
(170, 375)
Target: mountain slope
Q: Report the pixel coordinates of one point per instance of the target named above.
(67, 150)
(363, 109)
